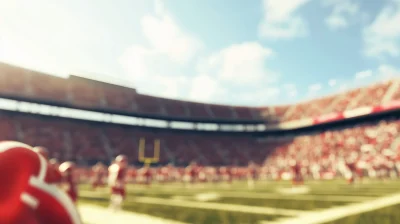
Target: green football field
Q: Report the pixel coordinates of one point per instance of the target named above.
(333, 202)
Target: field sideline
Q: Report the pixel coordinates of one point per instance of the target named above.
(319, 202)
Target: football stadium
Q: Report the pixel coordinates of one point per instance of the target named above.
(199, 112)
(345, 148)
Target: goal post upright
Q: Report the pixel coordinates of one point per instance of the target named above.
(156, 152)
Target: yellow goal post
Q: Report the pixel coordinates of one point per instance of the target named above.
(156, 150)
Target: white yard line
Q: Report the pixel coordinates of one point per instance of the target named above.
(92, 193)
(296, 197)
(332, 214)
(210, 205)
(92, 214)
(219, 206)
(254, 195)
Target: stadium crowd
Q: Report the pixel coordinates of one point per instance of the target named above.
(369, 146)
(84, 141)
(323, 154)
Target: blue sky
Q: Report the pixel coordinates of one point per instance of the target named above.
(259, 52)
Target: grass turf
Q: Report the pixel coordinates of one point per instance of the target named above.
(318, 190)
(286, 204)
(388, 215)
(187, 215)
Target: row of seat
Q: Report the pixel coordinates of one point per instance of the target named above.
(84, 141)
(327, 149)
(367, 96)
(89, 94)
(396, 94)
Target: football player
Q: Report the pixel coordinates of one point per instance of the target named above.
(29, 196)
(116, 181)
(69, 183)
(99, 171)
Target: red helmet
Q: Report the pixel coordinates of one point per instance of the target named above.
(66, 166)
(42, 151)
(121, 159)
(32, 199)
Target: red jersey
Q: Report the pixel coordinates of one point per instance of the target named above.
(351, 166)
(98, 172)
(70, 183)
(28, 195)
(54, 175)
(146, 172)
(296, 168)
(191, 170)
(132, 173)
(251, 171)
(117, 179)
(166, 170)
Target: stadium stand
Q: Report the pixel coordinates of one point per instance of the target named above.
(80, 92)
(90, 142)
(119, 98)
(22, 83)
(328, 148)
(178, 108)
(87, 142)
(368, 96)
(396, 92)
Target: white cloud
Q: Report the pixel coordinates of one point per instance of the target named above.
(292, 93)
(271, 92)
(384, 71)
(332, 82)
(161, 64)
(289, 86)
(336, 21)
(290, 90)
(315, 87)
(166, 37)
(240, 64)
(155, 73)
(236, 73)
(363, 74)
(382, 36)
(134, 60)
(388, 71)
(257, 97)
(313, 90)
(32, 35)
(343, 87)
(159, 7)
(205, 88)
(342, 13)
(281, 21)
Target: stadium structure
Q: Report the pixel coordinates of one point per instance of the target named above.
(87, 121)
